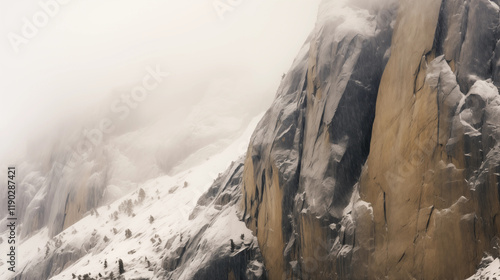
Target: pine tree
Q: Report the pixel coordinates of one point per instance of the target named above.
(142, 195)
(120, 267)
(232, 245)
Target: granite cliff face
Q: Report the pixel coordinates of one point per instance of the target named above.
(308, 151)
(432, 174)
(418, 107)
(378, 159)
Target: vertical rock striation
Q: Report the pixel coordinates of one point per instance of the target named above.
(425, 124)
(432, 173)
(307, 153)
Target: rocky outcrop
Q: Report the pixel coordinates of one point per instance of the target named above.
(57, 257)
(307, 153)
(426, 203)
(230, 259)
(432, 174)
(70, 191)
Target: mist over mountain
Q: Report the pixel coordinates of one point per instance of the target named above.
(377, 158)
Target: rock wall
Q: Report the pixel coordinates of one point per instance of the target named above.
(425, 126)
(307, 153)
(57, 196)
(432, 174)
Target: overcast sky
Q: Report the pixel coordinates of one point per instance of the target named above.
(89, 51)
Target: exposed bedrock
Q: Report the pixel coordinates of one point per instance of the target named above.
(432, 174)
(379, 156)
(307, 153)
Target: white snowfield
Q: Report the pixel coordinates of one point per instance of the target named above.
(489, 269)
(156, 224)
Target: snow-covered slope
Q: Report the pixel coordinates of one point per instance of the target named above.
(159, 217)
(73, 173)
(488, 269)
(378, 159)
